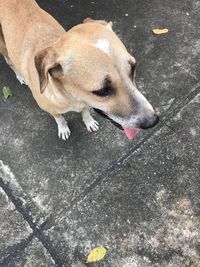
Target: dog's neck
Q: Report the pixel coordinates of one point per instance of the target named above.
(64, 96)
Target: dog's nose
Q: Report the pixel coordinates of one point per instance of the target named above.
(149, 122)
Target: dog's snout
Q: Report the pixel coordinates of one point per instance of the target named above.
(149, 122)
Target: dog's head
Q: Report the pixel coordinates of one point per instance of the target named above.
(92, 65)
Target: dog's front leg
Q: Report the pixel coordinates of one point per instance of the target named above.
(63, 129)
(89, 121)
(18, 76)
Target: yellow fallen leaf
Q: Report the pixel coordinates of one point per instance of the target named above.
(96, 254)
(160, 31)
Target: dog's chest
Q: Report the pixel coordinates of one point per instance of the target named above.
(64, 104)
(77, 107)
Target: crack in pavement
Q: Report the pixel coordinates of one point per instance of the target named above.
(13, 253)
(37, 231)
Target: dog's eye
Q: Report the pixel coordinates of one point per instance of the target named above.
(105, 91)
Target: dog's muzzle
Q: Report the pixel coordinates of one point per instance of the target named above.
(106, 116)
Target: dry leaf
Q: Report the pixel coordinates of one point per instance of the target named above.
(96, 254)
(160, 31)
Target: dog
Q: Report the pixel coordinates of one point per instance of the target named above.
(83, 68)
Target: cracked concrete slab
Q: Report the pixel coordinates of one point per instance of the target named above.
(11, 183)
(32, 254)
(15, 254)
(13, 228)
(147, 213)
(36, 255)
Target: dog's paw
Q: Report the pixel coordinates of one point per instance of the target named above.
(63, 132)
(91, 125)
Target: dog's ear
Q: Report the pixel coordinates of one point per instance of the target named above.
(103, 22)
(46, 64)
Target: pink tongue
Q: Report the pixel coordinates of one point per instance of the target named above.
(131, 133)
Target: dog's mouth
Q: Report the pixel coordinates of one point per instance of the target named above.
(105, 116)
(130, 133)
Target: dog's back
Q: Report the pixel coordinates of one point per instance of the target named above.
(21, 22)
(25, 29)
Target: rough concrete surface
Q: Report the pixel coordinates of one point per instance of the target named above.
(12, 225)
(140, 198)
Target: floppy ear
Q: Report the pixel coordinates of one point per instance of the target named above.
(103, 22)
(46, 64)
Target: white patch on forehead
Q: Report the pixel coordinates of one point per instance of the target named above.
(103, 45)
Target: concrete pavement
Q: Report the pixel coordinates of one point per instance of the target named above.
(139, 199)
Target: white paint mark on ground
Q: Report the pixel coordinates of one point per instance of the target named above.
(8, 176)
(10, 206)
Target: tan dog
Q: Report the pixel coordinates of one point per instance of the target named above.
(87, 66)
